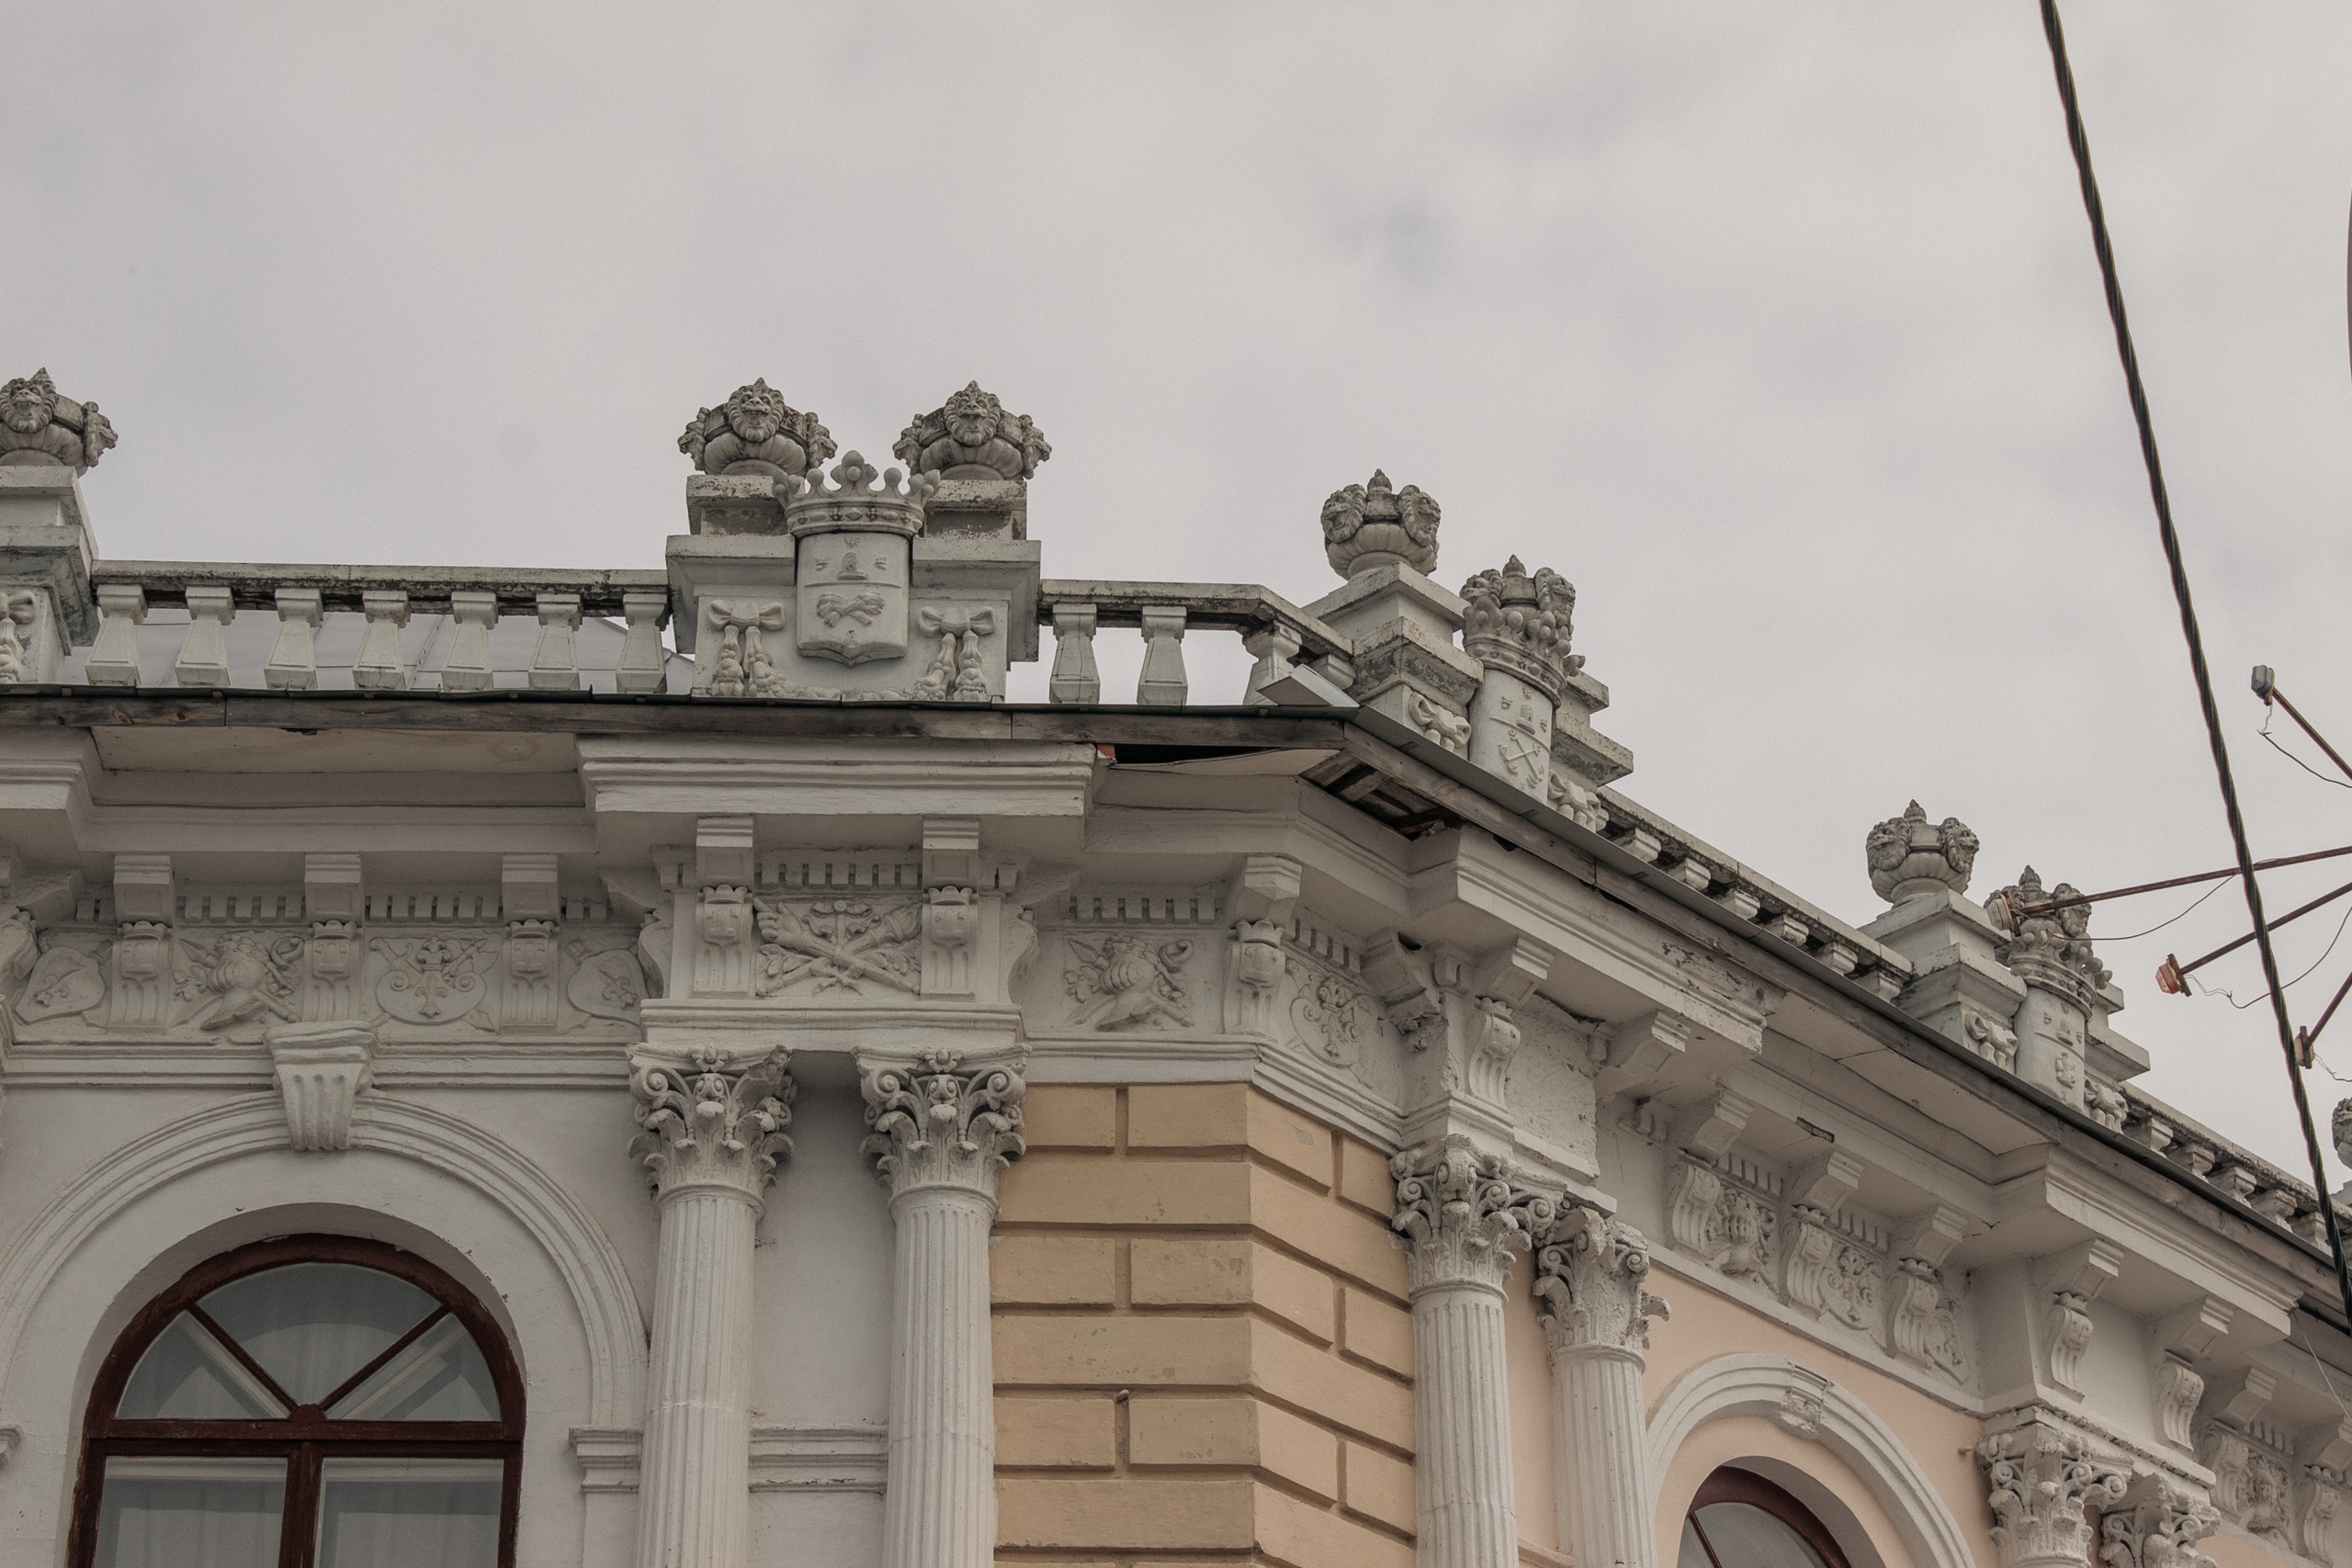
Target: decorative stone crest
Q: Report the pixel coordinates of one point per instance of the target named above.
(2053, 947)
(39, 428)
(970, 437)
(2159, 1530)
(711, 1125)
(1521, 623)
(1460, 1215)
(1127, 981)
(20, 615)
(1367, 527)
(1589, 1274)
(238, 979)
(937, 1122)
(753, 432)
(2040, 1479)
(431, 979)
(1908, 855)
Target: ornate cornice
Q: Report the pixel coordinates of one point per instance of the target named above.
(710, 1125)
(937, 1122)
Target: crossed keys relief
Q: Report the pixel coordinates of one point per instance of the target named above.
(838, 944)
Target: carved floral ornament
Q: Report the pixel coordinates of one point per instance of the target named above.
(1461, 1216)
(1590, 1274)
(1908, 855)
(971, 436)
(707, 1124)
(2040, 1480)
(1367, 527)
(937, 1122)
(41, 428)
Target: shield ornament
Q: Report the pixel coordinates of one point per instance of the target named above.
(853, 596)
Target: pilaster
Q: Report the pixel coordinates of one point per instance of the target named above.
(710, 1135)
(941, 1131)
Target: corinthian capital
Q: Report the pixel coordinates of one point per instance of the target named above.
(2159, 1528)
(1460, 1216)
(2040, 1477)
(1589, 1274)
(710, 1125)
(937, 1122)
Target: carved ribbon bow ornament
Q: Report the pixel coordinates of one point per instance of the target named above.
(959, 671)
(743, 662)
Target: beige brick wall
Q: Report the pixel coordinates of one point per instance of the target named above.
(1202, 1349)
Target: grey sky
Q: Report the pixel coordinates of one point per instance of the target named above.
(1775, 329)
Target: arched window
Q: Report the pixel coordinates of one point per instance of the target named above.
(1741, 1520)
(311, 1402)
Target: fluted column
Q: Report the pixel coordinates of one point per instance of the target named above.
(1462, 1219)
(2040, 1477)
(1589, 1273)
(940, 1133)
(711, 1137)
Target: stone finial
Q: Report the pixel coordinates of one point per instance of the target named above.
(2343, 1130)
(1520, 623)
(1909, 855)
(2056, 941)
(1371, 525)
(970, 437)
(39, 428)
(754, 432)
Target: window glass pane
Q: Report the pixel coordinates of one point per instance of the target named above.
(1745, 1536)
(313, 1325)
(1694, 1554)
(187, 1375)
(440, 1377)
(398, 1513)
(190, 1513)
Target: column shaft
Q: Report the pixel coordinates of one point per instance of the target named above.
(693, 1499)
(1601, 1480)
(941, 1508)
(1461, 1470)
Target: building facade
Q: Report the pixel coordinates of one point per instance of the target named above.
(672, 1069)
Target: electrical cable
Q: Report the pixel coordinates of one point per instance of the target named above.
(2079, 142)
(2273, 742)
(2176, 919)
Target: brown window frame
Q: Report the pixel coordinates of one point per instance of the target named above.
(305, 1437)
(1730, 1485)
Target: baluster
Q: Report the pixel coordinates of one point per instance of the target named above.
(379, 667)
(1276, 647)
(1163, 683)
(644, 664)
(114, 658)
(294, 657)
(555, 663)
(1075, 678)
(467, 667)
(204, 652)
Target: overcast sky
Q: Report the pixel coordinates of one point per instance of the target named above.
(1775, 329)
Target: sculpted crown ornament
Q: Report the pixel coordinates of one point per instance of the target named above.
(936, 1122)
(1371, 525)
(2056, 943)
(711, 1125)
(1520, 623)
(1460, 1216)
(1909, 855)
(861, 499)
(1589, 1274)
(754, 432)
(970, 437)
(39, 428)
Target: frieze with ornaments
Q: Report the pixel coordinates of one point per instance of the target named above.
(423, 963)
(1324, 1008)
(2254, 1478)
(1131, 960)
